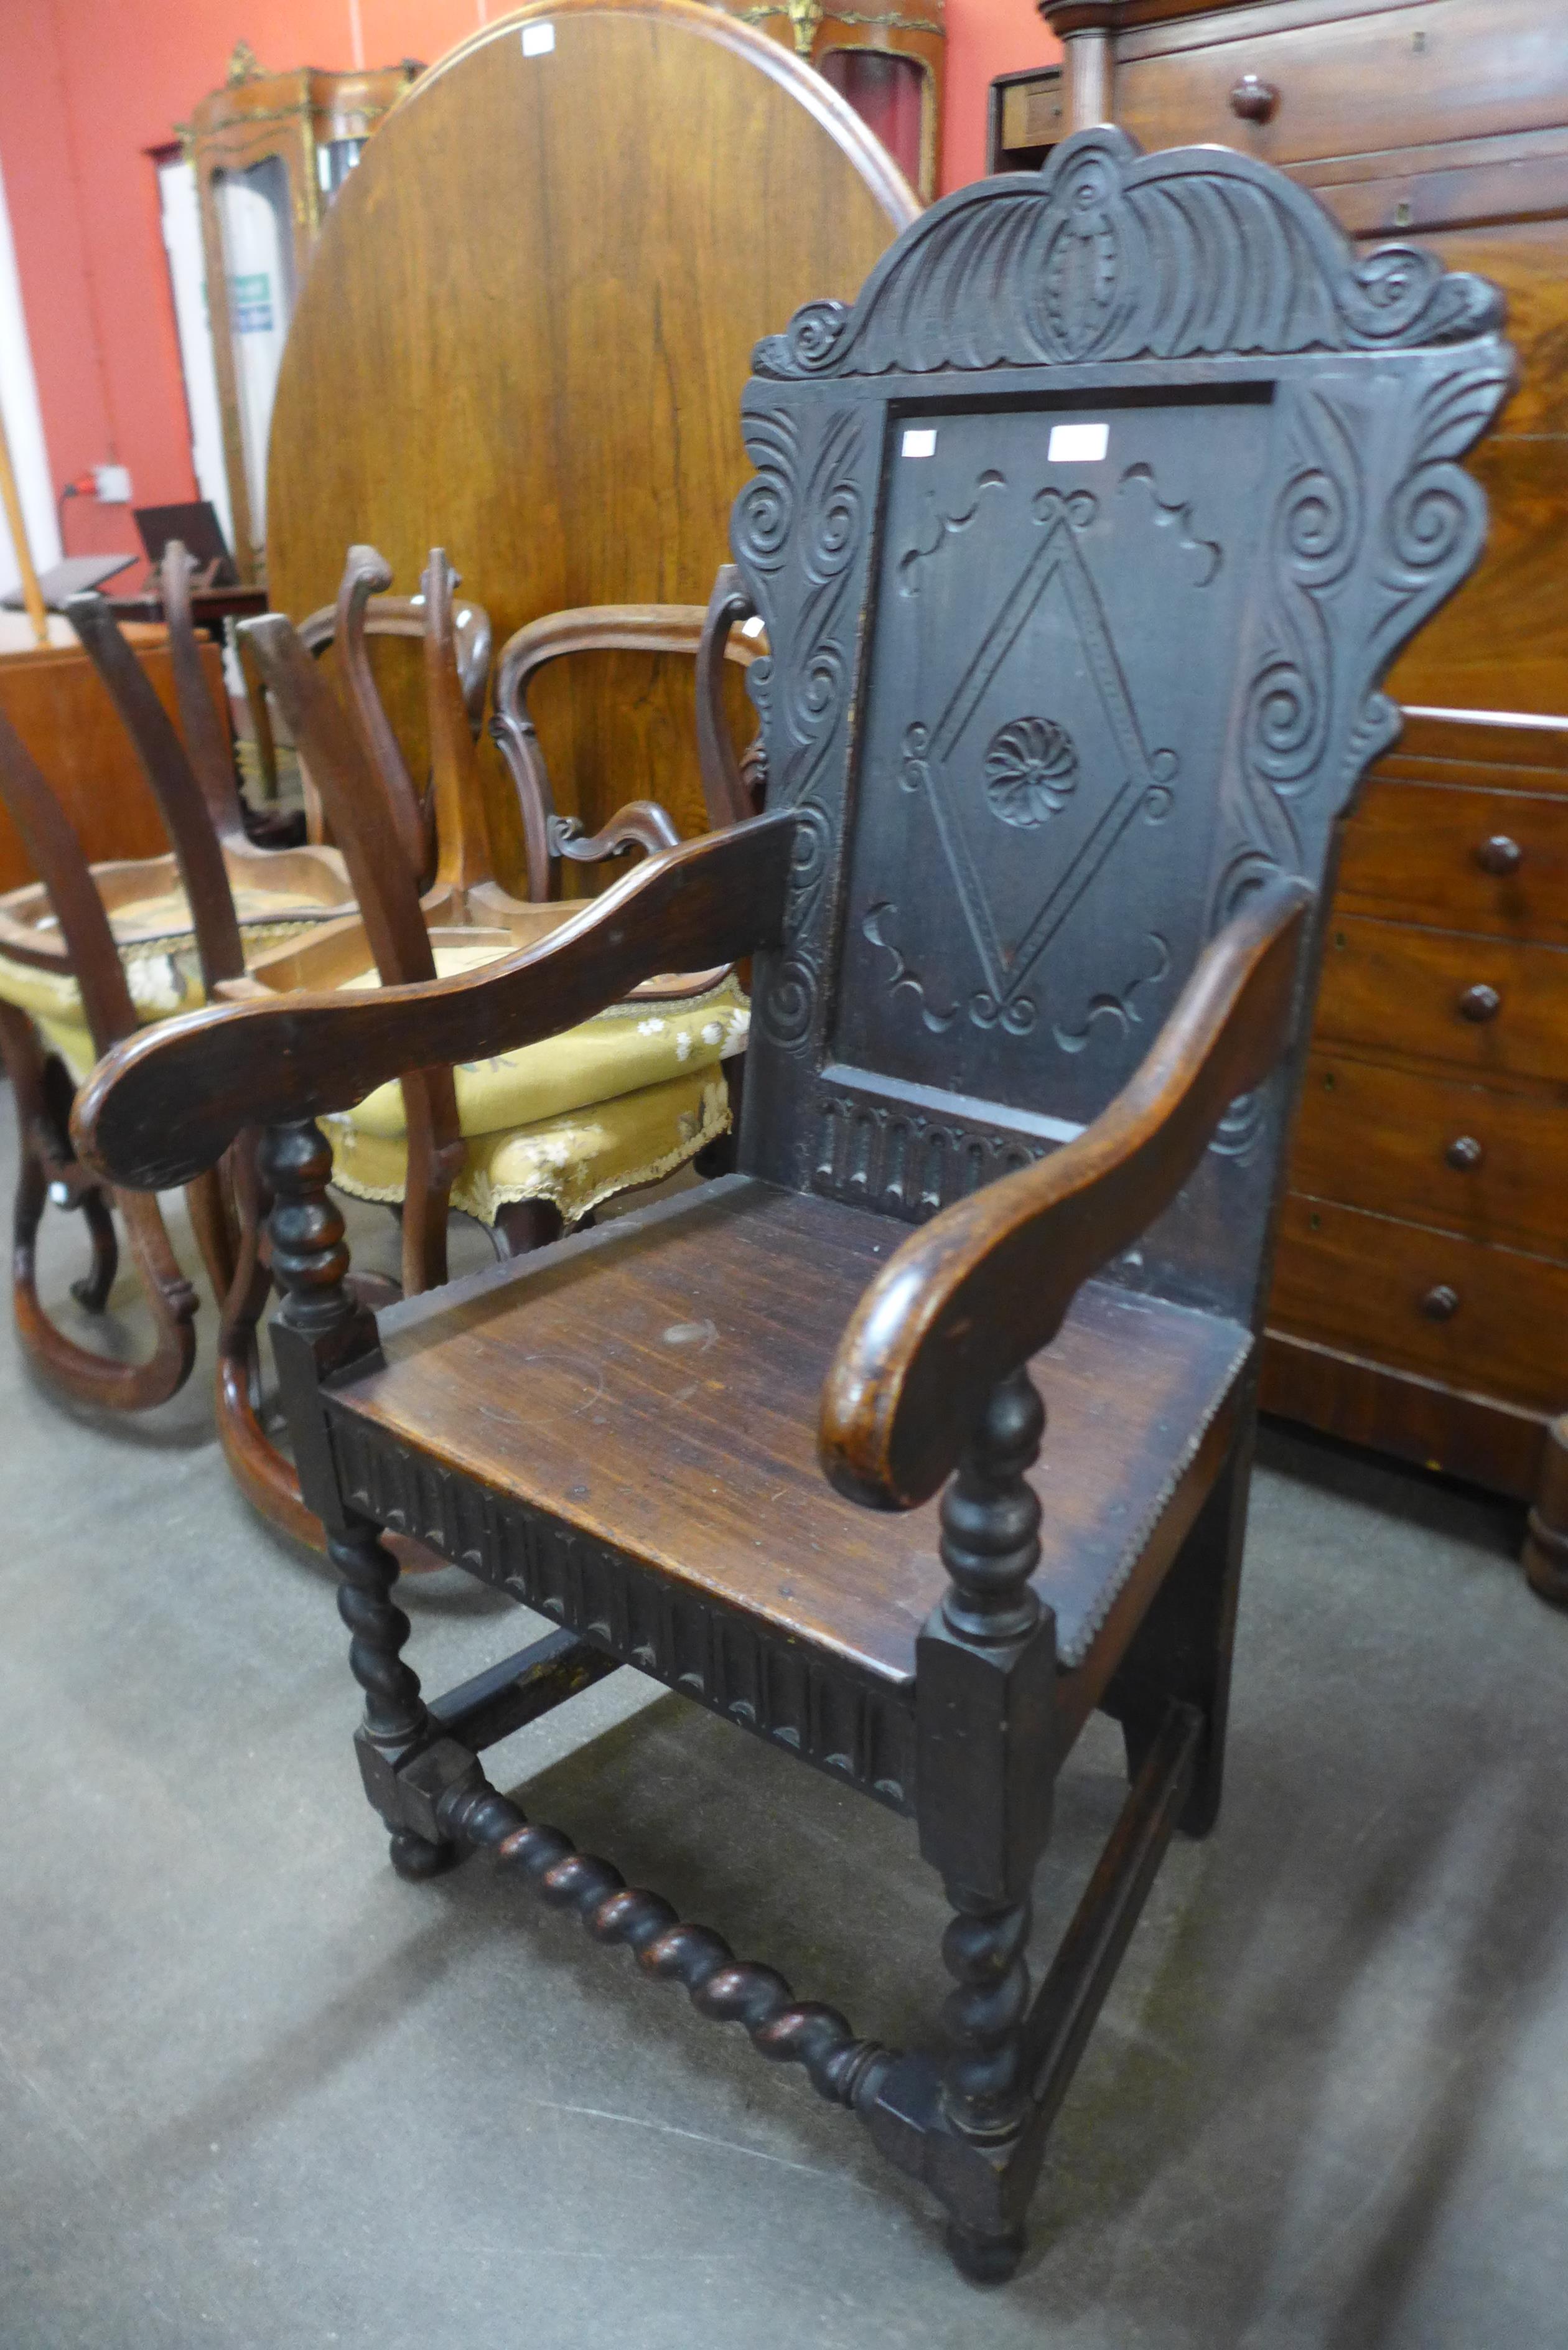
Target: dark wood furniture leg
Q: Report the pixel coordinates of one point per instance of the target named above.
(1180, 1654)
(522, 1225)
(1546, 1544)
(48, 1171)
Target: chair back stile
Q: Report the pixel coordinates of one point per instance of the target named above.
(182, 801)
(206, 738)
(367, 574)
(1082, 540)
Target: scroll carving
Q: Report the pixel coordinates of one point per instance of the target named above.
(796, 542)
(1113, 254)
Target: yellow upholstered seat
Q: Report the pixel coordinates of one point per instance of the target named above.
(623, 1098)
(157, 951)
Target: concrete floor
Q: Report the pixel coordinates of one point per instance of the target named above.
(255, 2090)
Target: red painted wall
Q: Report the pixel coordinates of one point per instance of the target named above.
(88, 87)
(985, 38)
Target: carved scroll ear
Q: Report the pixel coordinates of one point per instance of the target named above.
(366, 574)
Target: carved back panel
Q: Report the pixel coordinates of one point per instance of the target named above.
(1084, 539)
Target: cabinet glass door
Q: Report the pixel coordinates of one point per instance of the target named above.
(254, 212)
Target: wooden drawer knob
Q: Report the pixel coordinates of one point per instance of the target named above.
(1480, 1003)
(1499, 855)
(1442, 1304)
(1254, 100)
(1464, 1154)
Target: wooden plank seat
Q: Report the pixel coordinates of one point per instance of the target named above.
(653, 1387)
(1082, 542)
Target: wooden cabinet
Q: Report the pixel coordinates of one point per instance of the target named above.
(1422, 1276)
(270, 153)
(886, 60)
(60, 707)
(1443, 1016)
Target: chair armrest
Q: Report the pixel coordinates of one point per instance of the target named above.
(642, 824)
(985, 1284)
(176, 1095)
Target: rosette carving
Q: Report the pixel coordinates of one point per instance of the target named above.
(1031, 771)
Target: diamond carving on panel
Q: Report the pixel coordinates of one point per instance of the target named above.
(1030, 768)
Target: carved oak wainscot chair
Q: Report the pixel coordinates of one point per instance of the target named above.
(1082, 540)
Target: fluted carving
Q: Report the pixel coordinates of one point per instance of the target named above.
(727, 1990)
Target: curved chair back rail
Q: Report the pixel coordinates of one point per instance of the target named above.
(977, 1292)
(408, 616)
(708, 634)
(176, 1099)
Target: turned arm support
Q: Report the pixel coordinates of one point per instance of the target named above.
(705, 635)
(968, 1300)
(151, 1113)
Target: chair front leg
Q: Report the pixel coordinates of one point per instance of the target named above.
(984, 1675)
(321, 1328)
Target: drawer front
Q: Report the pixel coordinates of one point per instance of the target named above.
(1465, 859)
(1401, 78)
(1033, 114)
(1487, 1320)
(1433, 1150)
(1481, 1006)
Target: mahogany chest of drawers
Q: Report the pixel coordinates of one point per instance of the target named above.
(1421, 1292)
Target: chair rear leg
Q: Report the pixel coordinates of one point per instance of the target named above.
(91, 1291)
(522, 1225)
(1181, 1652)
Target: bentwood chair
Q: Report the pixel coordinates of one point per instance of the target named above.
(1084, 539)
